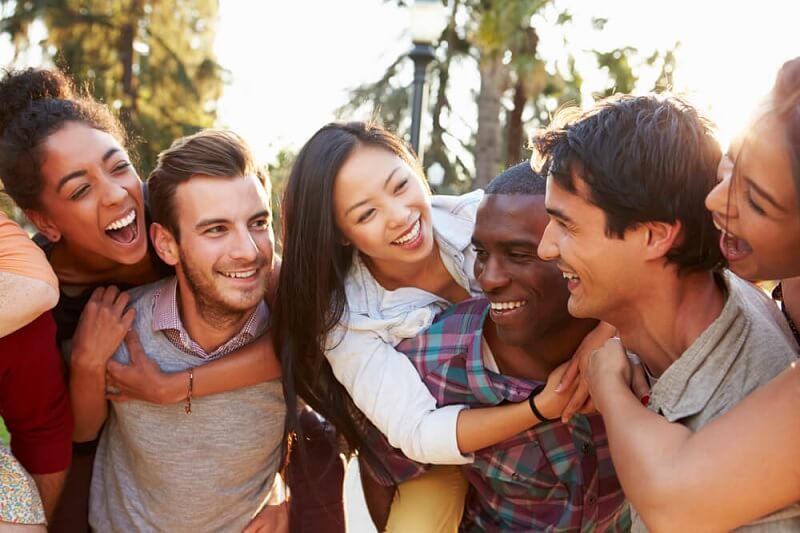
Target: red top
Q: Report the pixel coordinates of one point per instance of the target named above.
(33, 398)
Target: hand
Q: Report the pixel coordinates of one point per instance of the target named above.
(101, 328)
(549, 402)
(580, 400)
(141, 379)
(271, 519)
(608, 366)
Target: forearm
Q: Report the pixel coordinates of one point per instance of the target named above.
(87, 388)
(738, 468)
(247, 366)
(50, 487)
(22, 299)
(486, 426)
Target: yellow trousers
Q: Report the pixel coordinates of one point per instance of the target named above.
(430, 503)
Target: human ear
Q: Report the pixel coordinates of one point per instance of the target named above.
(44, 224)
(660, 238)
(165, 244)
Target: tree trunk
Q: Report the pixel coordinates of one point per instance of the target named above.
(514, 126)
(494, 76)
(126, 54)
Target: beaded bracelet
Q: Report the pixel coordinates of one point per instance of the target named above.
(188, 406)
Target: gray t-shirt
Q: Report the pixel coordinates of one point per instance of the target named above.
(745, 347)
(160, 469)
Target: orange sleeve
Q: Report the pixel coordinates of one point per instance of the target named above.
(20, 255)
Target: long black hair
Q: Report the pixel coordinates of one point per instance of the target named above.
(311, 291)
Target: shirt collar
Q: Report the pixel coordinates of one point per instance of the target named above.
(687, 385)
(167, 318)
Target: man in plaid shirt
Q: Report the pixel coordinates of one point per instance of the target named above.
(555, 476)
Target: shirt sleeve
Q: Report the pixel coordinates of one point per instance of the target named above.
(33, 398)
(21, 256)
(386, 387)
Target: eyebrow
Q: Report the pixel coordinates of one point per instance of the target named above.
(558, 214)
(213, 221)
(78, 173)
(765, 195)
(385, 183)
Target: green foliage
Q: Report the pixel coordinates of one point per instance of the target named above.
(151, 60)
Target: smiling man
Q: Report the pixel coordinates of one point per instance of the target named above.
(505, 348)
(208, 464)
(628, 228)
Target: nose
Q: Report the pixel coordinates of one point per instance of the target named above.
(719, 199)
(492, 275)
(548, 246)
(398, 214)
(113, 193)
(244, 247)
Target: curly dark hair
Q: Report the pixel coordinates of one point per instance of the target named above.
(34, 104)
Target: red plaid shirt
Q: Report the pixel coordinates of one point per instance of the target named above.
(167, 319)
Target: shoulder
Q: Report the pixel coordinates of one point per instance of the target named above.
(454, 330)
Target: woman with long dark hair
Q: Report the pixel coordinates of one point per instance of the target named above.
(369, 258)
(742, 466)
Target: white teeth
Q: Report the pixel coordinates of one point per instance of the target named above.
(410, 236)
(239, 275)
(505, 306)
(122, 222)
(569, 275)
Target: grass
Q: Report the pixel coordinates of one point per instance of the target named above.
(3, 433)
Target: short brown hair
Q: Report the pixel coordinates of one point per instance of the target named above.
(210, 152)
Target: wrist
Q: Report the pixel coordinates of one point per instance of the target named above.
(539, 407)
(173, 387)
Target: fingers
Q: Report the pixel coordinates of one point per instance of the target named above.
(639, 383)
(135, 348)
(577, 401)
(570, 375)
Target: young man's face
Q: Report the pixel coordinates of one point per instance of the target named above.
(601, 270)
(226, 242)
(528, 296)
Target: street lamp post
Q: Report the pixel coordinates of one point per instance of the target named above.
(426, 26)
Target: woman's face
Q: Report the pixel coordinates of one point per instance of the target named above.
(92, 197)
(383, 208)
(755, 204)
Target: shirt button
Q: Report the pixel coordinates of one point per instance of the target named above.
(585, 447)
(515, 476)
(591, 499)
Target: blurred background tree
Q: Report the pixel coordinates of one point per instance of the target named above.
(152, 61)
(519, 88)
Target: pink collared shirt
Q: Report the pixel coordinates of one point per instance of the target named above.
(167, 319)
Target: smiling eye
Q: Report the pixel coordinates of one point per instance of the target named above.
(402, 185)
(79, 192)
(366, 215)
(215, 230)
(122, 165)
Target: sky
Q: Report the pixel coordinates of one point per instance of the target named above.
(291, 63)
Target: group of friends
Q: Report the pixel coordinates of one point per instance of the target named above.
(577, 347)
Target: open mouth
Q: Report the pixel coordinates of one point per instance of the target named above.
(506, 309)
(412, 237)
(123, 230)
(572, 279)
(733, 247)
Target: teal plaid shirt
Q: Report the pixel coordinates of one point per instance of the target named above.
(553, 477)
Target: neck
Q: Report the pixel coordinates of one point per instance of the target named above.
(536, 359)
(208, 324)
(790, 288)
(82, 269)
(669, 316)
(393, 274)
